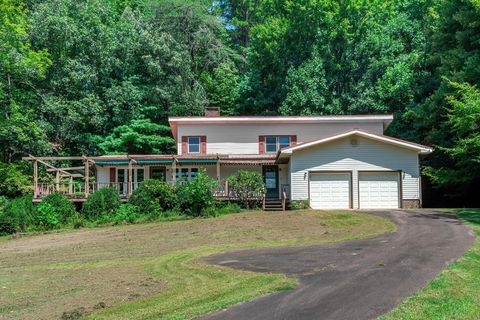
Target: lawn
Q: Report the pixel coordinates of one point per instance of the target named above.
(455, 293)
(155, 271)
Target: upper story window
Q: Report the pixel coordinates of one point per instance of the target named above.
(275, 143)
(193, 144)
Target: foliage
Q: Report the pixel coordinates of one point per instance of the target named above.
(103, 202)
(222, 208)
(153, 196)
(196, 196)
(139, 137)
(96, 77)
(18, 214)
(248, 186)
(57, 205)
(13, 182)
(300, 204)
(20, 65)
(126, 213)
(47, 217)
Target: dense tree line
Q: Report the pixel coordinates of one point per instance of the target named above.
(97, 76)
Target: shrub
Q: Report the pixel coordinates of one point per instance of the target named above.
(47, 217)
(153, 197)
(126, 213)
(76, 221)
(248, 187)
(103, 202)
(300, 204)
(60, 206)
(18, 214)
(13, 182)
(222, 208)
(195, 196)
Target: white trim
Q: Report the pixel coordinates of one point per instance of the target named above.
(413, 146)
(388, 117)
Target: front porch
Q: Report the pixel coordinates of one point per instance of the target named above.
(126, 172)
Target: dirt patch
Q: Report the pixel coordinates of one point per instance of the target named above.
(68, 275)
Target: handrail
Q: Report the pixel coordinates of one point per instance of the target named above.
(284, 200)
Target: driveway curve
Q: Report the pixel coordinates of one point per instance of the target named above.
(359, 279)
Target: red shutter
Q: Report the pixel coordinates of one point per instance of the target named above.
(293, 140)
(203, 144)
(261, 144)
(113, 172)
(184, 145)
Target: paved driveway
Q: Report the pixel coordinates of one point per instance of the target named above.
(356, 279)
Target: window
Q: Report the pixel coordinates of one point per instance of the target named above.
(275, 143)
(193, 144)
(186, 174)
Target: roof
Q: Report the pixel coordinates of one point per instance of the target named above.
(197, 120)
(421, 149)
(123, 159)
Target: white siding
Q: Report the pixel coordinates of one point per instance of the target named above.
(103, 173)
(243, 138)
(342, 156)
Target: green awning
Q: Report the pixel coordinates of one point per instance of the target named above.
(111, 162)
(159, 161)
(197, 161)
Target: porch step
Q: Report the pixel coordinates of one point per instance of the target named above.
(276, 205)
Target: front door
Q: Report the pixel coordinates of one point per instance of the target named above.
(270, 177)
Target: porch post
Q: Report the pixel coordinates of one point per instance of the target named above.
(87, 178)
(57, 181)
(174, 171)
(130, 177)
(35, 178)
(218, 170)
(70, 186)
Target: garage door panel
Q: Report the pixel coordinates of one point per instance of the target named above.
(379, 190)
(330, 190)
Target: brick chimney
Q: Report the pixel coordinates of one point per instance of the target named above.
(212, 111)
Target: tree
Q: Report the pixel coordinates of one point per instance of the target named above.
(463, 165)
(138, 137)
(20, 65)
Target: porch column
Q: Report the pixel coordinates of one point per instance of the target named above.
(174, 171)
(87, 178)
(70, 185)
(218, 170)
(35, 179)
(57, 181)
(130, 178)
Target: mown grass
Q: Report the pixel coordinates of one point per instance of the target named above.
(455, 293)
(194, 288)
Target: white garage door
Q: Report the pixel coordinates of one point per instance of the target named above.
(330, 190)
(379, 190)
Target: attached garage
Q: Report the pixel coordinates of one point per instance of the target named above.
(330, 190)
(379, 190)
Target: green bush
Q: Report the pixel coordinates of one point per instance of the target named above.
(195, 196)
(153, 197)
(13, 182)
(76, 221)
(248, 187)
(18, 215)
(300, 204)
(60, 206)
(222, 208)
(47, 217)
(103, 202)
(127, 213)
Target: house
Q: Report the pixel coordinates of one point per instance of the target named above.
(336, 162)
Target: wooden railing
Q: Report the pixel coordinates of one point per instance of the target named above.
(77, 189)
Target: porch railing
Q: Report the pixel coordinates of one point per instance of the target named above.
(77, 189)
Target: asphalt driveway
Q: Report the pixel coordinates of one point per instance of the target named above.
(356, 279)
